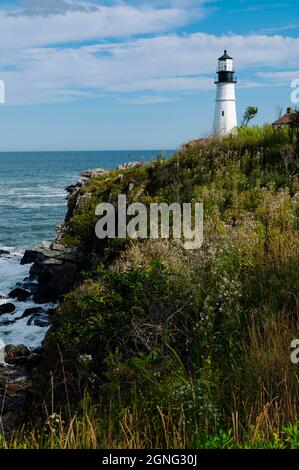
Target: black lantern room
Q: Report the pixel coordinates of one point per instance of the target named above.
(225, 69)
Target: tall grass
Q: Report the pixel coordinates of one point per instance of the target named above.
(186, 349)
(90, 429)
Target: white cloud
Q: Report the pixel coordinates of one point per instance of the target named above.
(47, 7)
(56, 7)
(279, 78)
(65, 22)
(280, 29)
(36, 70)
(147, 99)
(161, 64)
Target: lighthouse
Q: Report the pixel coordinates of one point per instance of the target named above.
(225, 111)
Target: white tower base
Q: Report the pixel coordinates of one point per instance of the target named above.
(225, 119)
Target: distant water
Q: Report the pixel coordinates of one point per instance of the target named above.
(32, 202)
(32, 190)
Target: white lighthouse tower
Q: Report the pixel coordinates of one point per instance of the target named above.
(225, 111)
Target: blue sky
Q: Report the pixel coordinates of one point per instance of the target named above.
(93, 74)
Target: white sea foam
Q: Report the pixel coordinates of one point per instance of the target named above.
(33, 205)
(57, 195)
(36, 205)
(11, 272)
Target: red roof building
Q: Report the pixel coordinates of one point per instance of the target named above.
(284, 120)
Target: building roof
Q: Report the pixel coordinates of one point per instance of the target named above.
(225, 56)
(284, 120)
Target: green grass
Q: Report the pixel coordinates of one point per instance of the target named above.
(187, 349)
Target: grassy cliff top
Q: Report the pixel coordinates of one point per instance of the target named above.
(187, 349)
(230, 176)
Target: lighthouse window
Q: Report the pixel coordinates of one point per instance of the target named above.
(222, 113)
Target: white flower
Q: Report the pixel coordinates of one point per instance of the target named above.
(85, 359)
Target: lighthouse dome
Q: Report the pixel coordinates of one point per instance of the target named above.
(225, 56)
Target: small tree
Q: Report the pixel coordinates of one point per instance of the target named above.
(250, 113)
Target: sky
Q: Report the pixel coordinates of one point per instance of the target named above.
(128, 74)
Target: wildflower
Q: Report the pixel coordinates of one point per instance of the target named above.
(85, 359)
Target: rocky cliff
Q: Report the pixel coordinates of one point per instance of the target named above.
(54, 265)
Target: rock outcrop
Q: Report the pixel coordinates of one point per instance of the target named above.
(7, 308)
(14, 385)
(55, 267)
(20, 294)
(129, 165)
(75, 193)
(4, 253)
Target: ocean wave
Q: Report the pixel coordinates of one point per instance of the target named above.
(33, 205)
(6, 247)
(18, 332)
(26, 192)
(41, 195)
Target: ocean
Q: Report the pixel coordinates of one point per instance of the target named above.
(32, 203)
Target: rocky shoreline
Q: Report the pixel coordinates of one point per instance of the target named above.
(53, 272)
(55, 266)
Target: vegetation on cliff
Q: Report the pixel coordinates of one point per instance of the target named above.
(157, 346)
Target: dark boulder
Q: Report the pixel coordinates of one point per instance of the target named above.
(20, 294)
(38, 350)
(4, 253)
(14, 385)
(32, 256)
(33, 311)
(28, 362)
(30, 286)
(39, 318)
(7, 308)
(41, 321)
(56, 277)
(51, 311)
(55, 268)
(31, 361)
(14, 353)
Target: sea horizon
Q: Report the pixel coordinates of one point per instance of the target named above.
(153, 149)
